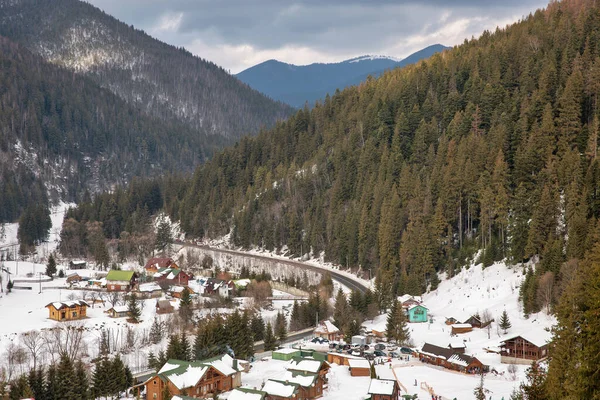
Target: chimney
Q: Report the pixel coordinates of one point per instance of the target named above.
(235, 364)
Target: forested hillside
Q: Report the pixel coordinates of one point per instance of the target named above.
(61, 134)
(491, 146)
(159, 79)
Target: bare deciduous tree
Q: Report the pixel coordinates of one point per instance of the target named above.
(512, 370)
(66, 339)
(34, 343)
(545, 292)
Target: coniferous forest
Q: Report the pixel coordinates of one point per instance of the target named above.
(485, 152)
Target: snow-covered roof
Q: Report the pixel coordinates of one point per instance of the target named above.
(382, 386)
(286, 351)
(277, 388)
(241, 283)
(223, 364)
(299, 378)
(303, 364)
(462, 326)
(184, 374)
(149, 287)
(326, 327)
(119, 309)
(359, 363)
(68, 304)
(406, 297)
(417, 305)
(189, 377)
(539, 339)
(176, 289)
(245, 394)
(456, 344)
(456, 359)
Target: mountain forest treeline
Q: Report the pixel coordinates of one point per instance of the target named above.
(487, 151)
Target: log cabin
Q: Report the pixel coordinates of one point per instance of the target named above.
(384, 389)
(523, 350)
(67, 310)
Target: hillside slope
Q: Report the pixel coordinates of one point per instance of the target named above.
(163, 81)
(296, 85)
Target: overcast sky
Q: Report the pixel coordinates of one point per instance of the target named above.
(238, 34)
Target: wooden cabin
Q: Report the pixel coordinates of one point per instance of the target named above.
(177, 291)
(198, 379)
(246, 394)
(280, 390)
(521, 350)
(118, 311)
(73, 278)
(120, 281)
(384, 389)
(341, 358)
(77, 264)
(359, 367)
(457, 329)
(164, 307)
(67, 310)
(172, 276)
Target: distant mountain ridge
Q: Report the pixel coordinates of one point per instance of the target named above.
(161, 80)
(295, 85)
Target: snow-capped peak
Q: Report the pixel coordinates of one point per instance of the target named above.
(372, 57)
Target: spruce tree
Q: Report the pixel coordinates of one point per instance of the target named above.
(133, 309)
(156, 331)
(100, 378)
(479, 391)
(118, 376)
(174, 347)
(37, 382)
(258, 327)
(270, 342)
(534, 388)
(505, 324)
(184, 352)
(153, 362)
(51, 384)
(82, 387)
(66, 379)
(185, 305)
(281, 327)
(51, 266)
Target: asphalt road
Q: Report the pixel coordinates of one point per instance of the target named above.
(344, 280)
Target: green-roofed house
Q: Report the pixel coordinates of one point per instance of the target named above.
(197, 379)
(118, 281)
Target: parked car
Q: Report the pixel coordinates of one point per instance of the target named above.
(391, 347)
(394, 354)
(355, 353)
(379, 346)
(379, 353)
(366, 347)
(405, 350)
(369, 356)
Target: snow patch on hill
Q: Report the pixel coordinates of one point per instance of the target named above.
(373, 57)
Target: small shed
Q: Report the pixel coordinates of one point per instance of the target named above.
(118, 311)
(417, 313)
(451, 321)
(73, 278)
(164, 307)
(286, 354)
(359, 339)
(457, 346)
(77, 264)
(461, 328)
(359, 367)
(327, 330)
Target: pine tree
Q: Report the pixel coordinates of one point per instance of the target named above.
(295, 323)
(153, 362)
(184, 344)
(340, 310)
(118, 377)
(174, 347)
(65, 379)
(37, 382)
(270, 342)
(397, 324)
(133, 309)
(258, 327)
(505, 324)
(82, 387)
(51, 384)
(51, 266)
(185, 305)
(534, 388)
(156, 331)
(164, 237)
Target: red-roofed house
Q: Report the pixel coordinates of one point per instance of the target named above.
(156, 263)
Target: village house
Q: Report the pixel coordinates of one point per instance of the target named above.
(384, 389)
(341, 358)
(521, 350)
(154, 264)
(172, 276)
(280, 390)
(118, 311)
(214, 286)
(164, 307)
(417, 313)
(67, 310)
(149, 290)
(120, 281)
(457, 346)
(359, 367)
(177, 291)
(408, 300)
(77, 264)
(451, 321)
(73, 278)
(327, 330)
(198, 379)
(448, 358)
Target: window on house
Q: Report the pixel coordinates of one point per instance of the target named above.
(74, 314)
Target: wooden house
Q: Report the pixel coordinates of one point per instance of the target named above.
(198, 379)
(521, 350)
(359, 367)
(451, 321)
(384, 389)
(154, 264)
(73, 278)
(327, 330)
(457, 346)
(177, 291)
(164, 307)
(417, 313)
(149, 290)
(118, 311)
(341, 358)
(67, 310)
(461, 328)
(308, 366)
(475, 322)
(120, 281)
(448, 358)
(280, 390)
(77, 264)
(408, 300)
(172, 276)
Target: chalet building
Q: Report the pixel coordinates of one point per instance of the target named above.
(384, 389)
(156, 263)
(149, 290)
(172, 276)
(417, 313)
(407, 300)
(341, 358)
(197, 379)
(73, 278)
(120, 281)
(521, 350)
(327, 330)
(177, 291)
(118, 311)
(164, 307)
(359, 367)
(67, 310)
(214, 286)
(450, 359)
(281, 390)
